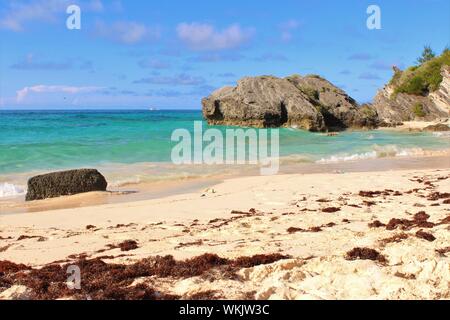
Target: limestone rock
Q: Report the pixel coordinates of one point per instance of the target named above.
(400, 107)
(440, 127)
(264, 101)
(339, 110)
(310, 103)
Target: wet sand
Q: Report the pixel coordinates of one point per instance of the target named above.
(133, 192)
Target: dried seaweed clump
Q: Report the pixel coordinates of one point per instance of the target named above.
(126, 245)
(103, 281)
(420, 220)
(395, 239)
(331, 210)
(376, 224)
(438, 195)
(365, 254)
(425, 235)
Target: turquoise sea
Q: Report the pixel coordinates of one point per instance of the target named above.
(40, 141)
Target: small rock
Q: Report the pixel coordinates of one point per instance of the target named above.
(440, 127)
(65, 183)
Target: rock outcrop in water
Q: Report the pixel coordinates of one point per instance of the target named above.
(310, 103)
(440, 127)
(65, 183)
(264, 101)
(340, 111)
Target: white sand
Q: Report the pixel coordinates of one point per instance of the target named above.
(317, 270)
(416, 125)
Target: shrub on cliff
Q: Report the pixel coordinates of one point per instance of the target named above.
(423, 79)
(418, 110)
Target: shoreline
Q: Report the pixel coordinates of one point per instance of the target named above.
(141, 191)
(415, 126)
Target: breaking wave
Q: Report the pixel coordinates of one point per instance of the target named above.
(441, 134)
(10, 190)
(377, 152)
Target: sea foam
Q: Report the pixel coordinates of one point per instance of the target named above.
(10, 190)
(378, 152)
(441, 134)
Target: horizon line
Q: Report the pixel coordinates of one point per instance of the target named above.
(104, 109)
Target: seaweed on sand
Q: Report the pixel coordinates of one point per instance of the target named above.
(425, 235)
(103, 281)
(420, 220)
(365, 254)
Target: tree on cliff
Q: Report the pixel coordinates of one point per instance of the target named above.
(427, 55)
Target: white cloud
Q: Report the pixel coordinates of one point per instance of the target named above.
(202, 36)
(126, 32)
(287, 28)
(178, 80)
(30, 63)
(154, 64)
(96, 5)
(22, 93)
(18, 14)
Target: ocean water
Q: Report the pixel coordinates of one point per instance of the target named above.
(140, 141)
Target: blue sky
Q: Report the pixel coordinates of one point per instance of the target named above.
(134, 54)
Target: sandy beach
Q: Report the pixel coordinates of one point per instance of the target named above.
(415, 126)
(224, 154)
(341, 235)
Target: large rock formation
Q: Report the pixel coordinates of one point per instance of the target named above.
(310, 103)
(394, 107)
(262, 102)
(65, 183)
(339, 110)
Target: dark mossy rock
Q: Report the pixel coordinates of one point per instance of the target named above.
(440, 127)
(65, 183)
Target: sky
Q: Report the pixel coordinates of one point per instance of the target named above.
(170, 54)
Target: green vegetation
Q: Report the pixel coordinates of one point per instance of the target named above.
(416, 85)
(427, 55)
(312, 94)
(316, 76)
(396, 78)
(422, 79)
(368, 111)
(418, 110)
